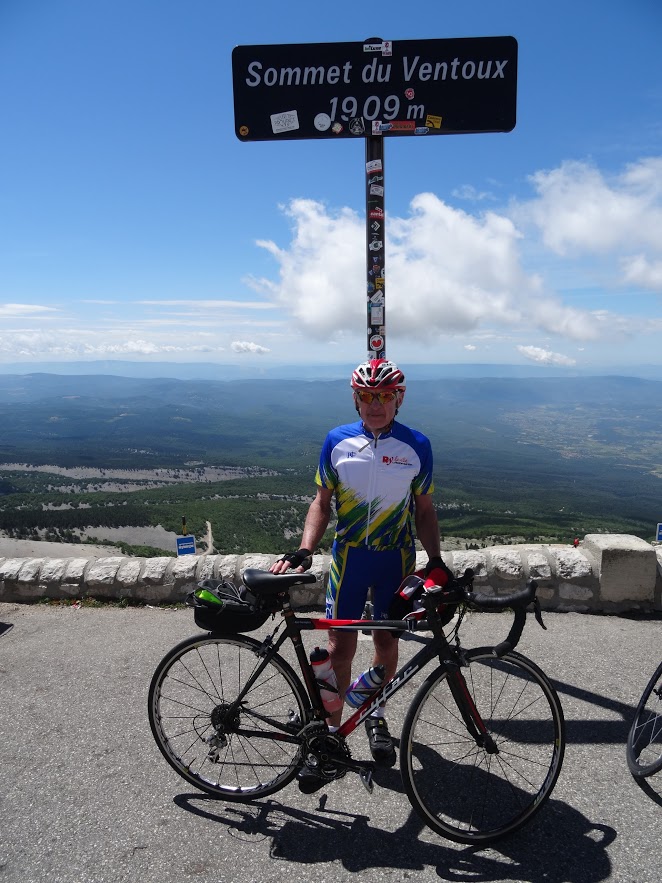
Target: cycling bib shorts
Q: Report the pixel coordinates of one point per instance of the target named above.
(358, 573)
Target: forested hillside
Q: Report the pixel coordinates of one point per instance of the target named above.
(543, 458)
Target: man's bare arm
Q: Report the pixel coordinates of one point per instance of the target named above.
(317, 521)
(427, 525)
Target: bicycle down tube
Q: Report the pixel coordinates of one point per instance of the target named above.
(436, 649)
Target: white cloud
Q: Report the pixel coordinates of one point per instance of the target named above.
(545, 357)
(582, 213)
(76, 343)
(141, 347)
(450, 272)
(468, 192)
(24, 311)
(638, 270)
(579, 209)
(212, 304)
(321, 272)
(447, 272)
(245, 346)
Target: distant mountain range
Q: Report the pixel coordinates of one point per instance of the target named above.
(265, 370)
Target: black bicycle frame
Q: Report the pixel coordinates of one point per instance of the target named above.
(437, 647)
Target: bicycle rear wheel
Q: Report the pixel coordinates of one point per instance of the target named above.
(459, 789)
(644, 745)
(235, 753)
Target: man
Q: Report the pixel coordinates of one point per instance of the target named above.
(379, 473)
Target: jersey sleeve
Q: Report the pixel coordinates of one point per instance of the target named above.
(326, 476)
(424, 483)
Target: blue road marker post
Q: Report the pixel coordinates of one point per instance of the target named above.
(185, 543)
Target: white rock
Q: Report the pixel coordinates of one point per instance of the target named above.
(103, 571)
(571, 564)
(539, 567)
(507, 563)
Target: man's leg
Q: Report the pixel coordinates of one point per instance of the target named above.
(379, 738)
(386, 652)
(342, 648)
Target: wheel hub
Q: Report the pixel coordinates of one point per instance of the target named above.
(222, 722)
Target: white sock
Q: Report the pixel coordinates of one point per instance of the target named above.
(380, 712)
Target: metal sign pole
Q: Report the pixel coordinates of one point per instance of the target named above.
(375, 220)
(373, 90)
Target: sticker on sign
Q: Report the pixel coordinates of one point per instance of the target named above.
(288, 121)
(375, 88)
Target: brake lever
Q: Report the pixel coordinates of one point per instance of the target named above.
(538, 613)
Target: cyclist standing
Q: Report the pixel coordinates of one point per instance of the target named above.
(379, 472)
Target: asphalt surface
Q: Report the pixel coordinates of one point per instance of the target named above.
(85, 796)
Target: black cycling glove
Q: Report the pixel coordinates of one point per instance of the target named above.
(300, 558)
(436, 562)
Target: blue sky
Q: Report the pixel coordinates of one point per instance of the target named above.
(134, 225)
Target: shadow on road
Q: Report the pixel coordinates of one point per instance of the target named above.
(652, 788)
(589, 731)
(562, 846)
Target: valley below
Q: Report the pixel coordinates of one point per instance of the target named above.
(121, 461)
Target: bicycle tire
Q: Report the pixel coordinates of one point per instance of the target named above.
(461, 791)
(644, 743)
(191, 688)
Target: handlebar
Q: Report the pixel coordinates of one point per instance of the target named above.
(460, 591)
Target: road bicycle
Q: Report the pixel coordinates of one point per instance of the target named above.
(644, 745)
(482, 742)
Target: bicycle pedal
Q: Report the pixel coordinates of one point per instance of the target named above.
(366, 780)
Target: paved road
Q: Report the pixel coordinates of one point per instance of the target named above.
(11, 548)
(85, 797)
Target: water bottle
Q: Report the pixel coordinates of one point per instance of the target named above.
(365, 685)
(326, 679)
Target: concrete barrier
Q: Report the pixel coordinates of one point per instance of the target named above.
(607, 573)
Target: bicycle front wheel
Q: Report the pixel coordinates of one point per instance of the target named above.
(237, 751)
(473, 793)
(644, 745)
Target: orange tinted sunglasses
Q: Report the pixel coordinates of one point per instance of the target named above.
(384, 398)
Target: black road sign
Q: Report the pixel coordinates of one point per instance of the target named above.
(380, 87)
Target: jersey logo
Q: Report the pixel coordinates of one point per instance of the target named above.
(398, 461)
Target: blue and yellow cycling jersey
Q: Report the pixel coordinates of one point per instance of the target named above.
(374, 479)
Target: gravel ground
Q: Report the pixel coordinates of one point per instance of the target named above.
(10, 548)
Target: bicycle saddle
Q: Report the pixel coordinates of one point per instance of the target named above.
(261, 582)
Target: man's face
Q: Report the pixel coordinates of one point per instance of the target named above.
(377, 415)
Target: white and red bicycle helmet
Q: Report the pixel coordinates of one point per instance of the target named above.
(378, 374)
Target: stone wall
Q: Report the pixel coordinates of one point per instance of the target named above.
(607, 573)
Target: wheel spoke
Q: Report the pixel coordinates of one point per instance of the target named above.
(223, 746)
(644, 744)
(459, 788)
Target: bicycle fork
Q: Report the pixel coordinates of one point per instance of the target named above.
(470, 714)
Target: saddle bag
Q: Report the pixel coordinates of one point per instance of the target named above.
(222, 608)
